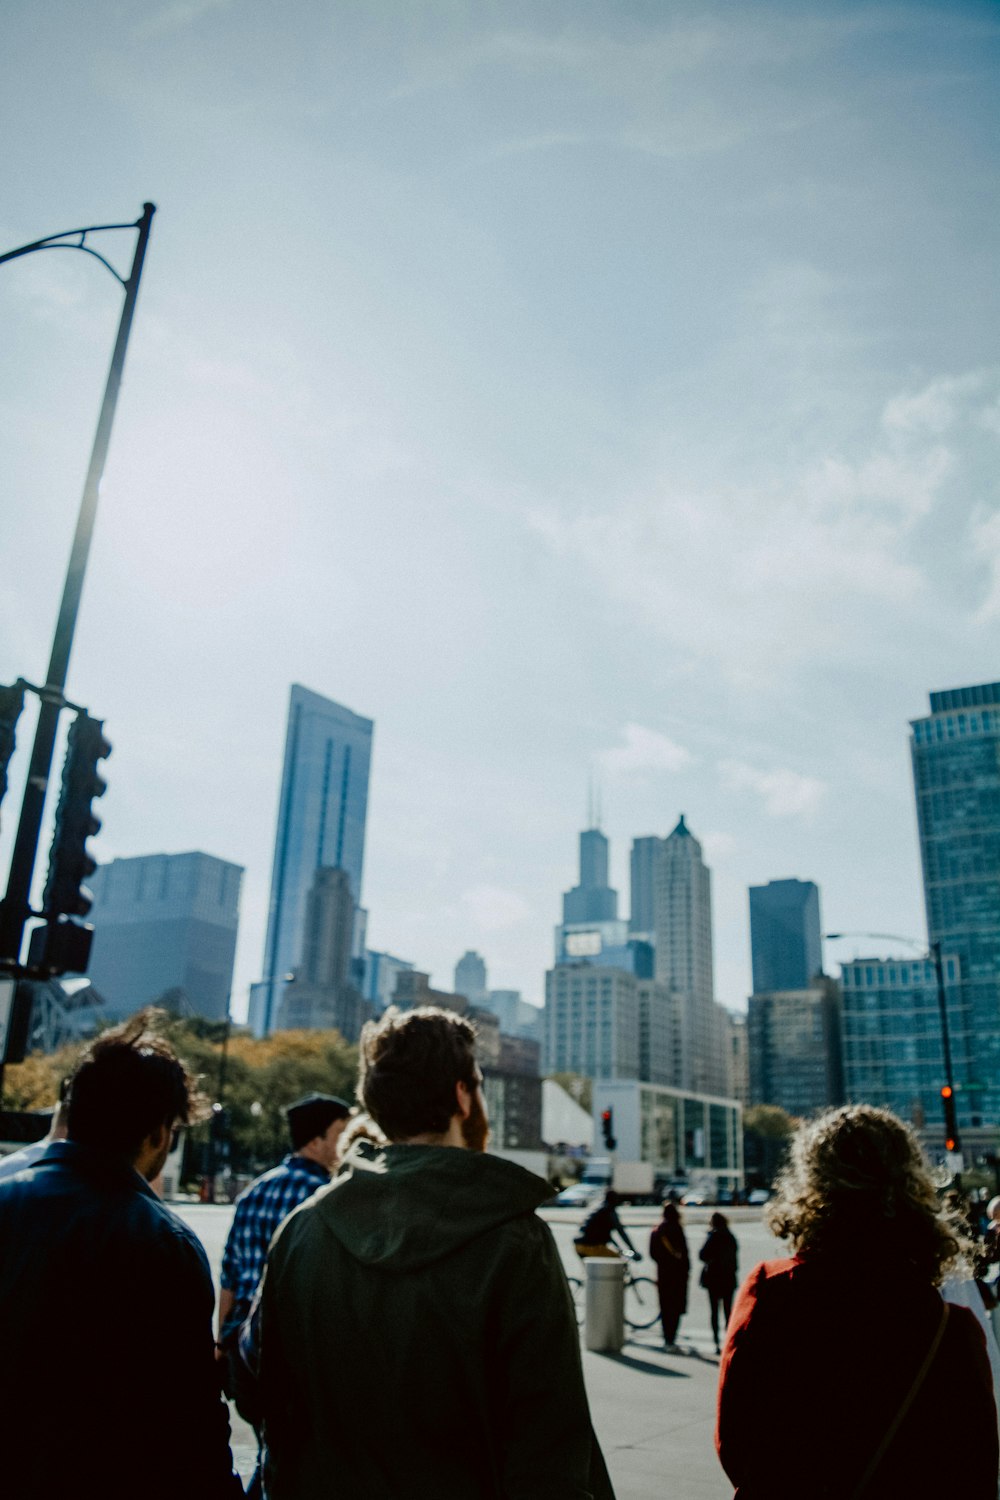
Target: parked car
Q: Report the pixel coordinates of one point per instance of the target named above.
(693, 1198)
(757, 1196)
(578, 1195)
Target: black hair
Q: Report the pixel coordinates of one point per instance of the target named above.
(128, 1084)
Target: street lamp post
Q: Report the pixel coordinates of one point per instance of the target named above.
(15, 909)
(935, 951)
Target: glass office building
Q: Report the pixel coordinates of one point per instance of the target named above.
(165, 925)
(892, 1034)
(784, 935)
(956, 774)
(321, 822)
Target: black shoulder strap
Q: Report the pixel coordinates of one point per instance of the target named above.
(908, 1401)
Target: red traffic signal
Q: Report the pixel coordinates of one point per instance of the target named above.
(950, 1121)
(607, 1129)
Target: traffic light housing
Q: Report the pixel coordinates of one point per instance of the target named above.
(11, 704)
(950, 1122)
(608, 1128)
(70, 861)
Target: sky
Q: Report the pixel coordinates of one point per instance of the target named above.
(602, 389)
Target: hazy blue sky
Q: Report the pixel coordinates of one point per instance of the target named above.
(570, 387)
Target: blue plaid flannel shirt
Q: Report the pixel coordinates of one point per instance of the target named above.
(259, 1211)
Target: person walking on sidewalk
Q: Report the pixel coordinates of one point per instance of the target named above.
(668, 1248)
(852, 1336)
(719, 1274)
(414, 1328)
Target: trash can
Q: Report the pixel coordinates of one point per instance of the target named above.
(604, 1323)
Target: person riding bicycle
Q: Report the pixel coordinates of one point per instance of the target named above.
(597, 1230)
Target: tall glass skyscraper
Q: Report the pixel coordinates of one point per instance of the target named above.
(784, 935)
(956, 778)
(321, 823)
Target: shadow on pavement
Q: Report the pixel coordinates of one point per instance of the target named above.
(645, 1366)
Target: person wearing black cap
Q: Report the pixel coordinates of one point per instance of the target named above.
(315, 1124)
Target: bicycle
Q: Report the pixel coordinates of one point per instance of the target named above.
(642, 1302)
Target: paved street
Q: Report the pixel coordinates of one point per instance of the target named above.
(654, 1412)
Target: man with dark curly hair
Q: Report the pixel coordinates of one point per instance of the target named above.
(842, 1364)
(424, 1272)
(103, 1284)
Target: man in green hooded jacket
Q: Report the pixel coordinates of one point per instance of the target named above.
(416, 1334)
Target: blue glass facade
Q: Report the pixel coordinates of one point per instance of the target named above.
(321, 822)
(956, 776)
(165, 923)
(892, 1034)
(784, 935)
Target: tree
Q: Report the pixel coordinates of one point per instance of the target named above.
(767, 1131)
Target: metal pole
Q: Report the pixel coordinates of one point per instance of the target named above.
(15, 909)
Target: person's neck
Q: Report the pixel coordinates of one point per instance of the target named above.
(452, 1137)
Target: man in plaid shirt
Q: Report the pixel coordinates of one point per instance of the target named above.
(315, 1124)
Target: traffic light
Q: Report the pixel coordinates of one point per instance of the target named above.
(608, 1130)
(70, 862)
(950, 1123)
(11, 704)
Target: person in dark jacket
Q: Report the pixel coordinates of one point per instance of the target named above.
(668, 1248)
(851, 1337)
(597, 1231)
(100, 1282)
(720, 1255)
(424, 1274)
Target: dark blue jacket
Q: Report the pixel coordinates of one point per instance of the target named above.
(108, 1381)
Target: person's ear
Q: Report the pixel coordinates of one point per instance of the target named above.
(464, 1096)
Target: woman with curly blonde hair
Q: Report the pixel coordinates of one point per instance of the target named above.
(842, 1362)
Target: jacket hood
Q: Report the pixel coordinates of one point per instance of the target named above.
(402, 1207)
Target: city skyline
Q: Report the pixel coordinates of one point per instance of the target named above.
(610, 395)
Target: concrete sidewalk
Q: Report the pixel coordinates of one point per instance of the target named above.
(654, 1414)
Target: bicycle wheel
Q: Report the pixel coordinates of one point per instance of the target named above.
(576, 1290)
(642, 1302)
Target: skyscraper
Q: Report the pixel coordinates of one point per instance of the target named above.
(321, 822)
(682, 927)
(955, 752)
(794, 1047)
(645, 852)
(593, 900)
(470, 978)
(165, 923)
(321, 994)
(784, 935)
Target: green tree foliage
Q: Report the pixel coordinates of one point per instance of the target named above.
(769, 1121)
(767, 1130)
(254, 1080)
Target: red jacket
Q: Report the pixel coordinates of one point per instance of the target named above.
(820, 1356)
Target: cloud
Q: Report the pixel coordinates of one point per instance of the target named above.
(796, 568)
(785, 794)
(985, 535)
(644, 750)
(718, 847)
(491, 908)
